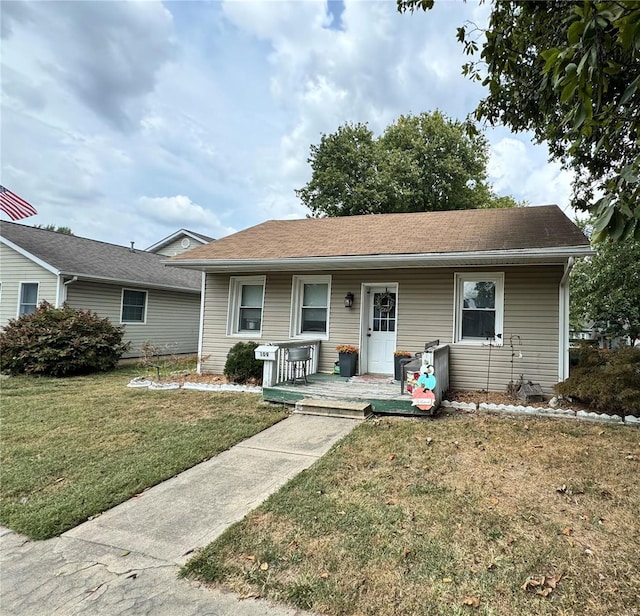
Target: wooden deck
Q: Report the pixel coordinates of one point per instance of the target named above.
(384, 398)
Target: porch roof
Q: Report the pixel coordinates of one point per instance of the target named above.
(541, 234)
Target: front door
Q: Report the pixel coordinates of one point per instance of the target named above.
(381, 330)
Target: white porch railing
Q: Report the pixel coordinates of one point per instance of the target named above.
(277, 369)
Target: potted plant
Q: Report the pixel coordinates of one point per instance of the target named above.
(398, 356)
(347, 358)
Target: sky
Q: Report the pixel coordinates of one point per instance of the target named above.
(127, 121)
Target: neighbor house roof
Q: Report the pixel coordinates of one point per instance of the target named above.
(489, 236)
(70, 255)
(180, 233)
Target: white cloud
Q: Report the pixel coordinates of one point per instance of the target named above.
(515, 168)
(182, 213)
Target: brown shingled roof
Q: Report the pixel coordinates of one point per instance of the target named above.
(389, 234)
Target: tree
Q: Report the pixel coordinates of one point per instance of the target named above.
(420, 163)
(605, 289)
(570, 72)
(63, 230)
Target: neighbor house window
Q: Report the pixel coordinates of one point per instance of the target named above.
(28, 298)
(310, 305)
(134, 306)
(246, 297)
(479, 307)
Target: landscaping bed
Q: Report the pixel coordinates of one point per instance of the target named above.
(462, 514)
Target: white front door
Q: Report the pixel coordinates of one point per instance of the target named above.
(381, 330)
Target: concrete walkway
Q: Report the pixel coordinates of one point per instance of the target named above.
(126, 560)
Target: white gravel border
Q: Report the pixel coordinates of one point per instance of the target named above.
(542, 411)
(142, 382)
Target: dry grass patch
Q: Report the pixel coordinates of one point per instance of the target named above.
(74, 447)
(490, 515)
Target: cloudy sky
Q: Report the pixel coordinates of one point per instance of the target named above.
(130, 120)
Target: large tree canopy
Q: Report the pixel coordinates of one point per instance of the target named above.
(605, 289)
(570, 72)
(420, 163)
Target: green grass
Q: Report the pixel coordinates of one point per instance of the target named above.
(389, 523)
(72, 448)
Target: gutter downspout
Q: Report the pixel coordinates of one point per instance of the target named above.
(66, 284)
(203, 289)
(563, 347)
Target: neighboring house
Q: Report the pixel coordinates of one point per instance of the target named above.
(179, 242)
(131, 287)
(465, 277)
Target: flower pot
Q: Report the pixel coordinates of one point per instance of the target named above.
(397, 371)
(347, 363)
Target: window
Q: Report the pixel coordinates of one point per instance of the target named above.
(28, 298)
(246, 298)
(310, 306)
(479, 307)
(134, 304)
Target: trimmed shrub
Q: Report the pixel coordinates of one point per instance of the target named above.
(60, 342)
(241, 365)
(607, 381)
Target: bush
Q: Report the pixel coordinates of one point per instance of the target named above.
(608, 381)
(60, 342)
(242, 365)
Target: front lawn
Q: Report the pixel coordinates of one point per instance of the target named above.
(74, 447)
(458, 515)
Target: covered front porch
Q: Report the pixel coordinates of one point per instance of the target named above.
(289, 381)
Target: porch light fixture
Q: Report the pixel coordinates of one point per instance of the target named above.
(348, 300)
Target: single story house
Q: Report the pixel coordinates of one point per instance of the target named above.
(179, 242)
(131, 287)
(478, 280)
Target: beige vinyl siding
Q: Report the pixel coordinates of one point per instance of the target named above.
(172, 317)
(175, 247)
(425, 311)
(16, 268)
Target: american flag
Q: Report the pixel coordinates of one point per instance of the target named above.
(15, 207)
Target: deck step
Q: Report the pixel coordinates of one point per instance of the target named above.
(334, 408)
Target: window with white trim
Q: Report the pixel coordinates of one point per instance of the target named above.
(479, 307)
(134, 306)
(246, 298)
(310, 306)
(28, 298)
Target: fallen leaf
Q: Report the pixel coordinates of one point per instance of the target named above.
(126, 553)
(391, 456)
(392, 501)
(567, 531)
(494, 501)
(342, 513)
(406, 552)
(545, 592)
(264, 566)
(251, 557)
(472, 601)
(447, 580)
(324, 575)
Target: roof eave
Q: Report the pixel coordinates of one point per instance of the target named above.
(131, 283)
(541, 256)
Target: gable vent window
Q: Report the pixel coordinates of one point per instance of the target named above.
(134, 306)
